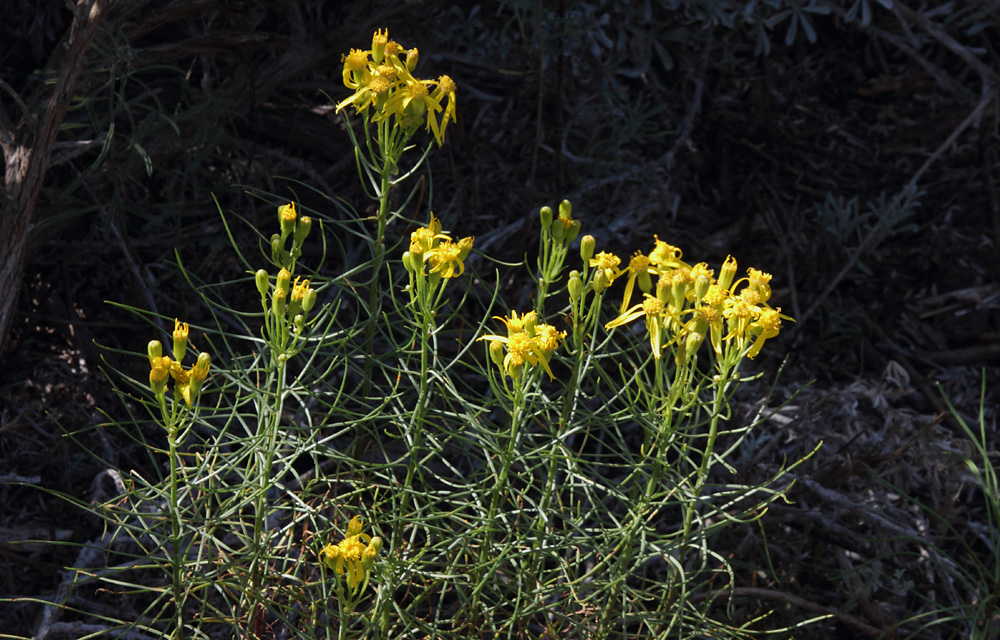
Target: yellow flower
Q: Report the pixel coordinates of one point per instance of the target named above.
(446, 88)
(353, 556)
(653, 308)
(410, 102)
(425, 238)
(665, 255)
(766, 326)
(444, 259)
(607, 269)
(297, 298)
(638, 269)
(527, 343)
(159, 371)
(182, 382)
(181, 331)
(548, 337)
(761, 283)
(379, 41)
(707, 318)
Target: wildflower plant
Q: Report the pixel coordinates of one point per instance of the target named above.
(561, 467)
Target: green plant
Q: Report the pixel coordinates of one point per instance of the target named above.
(975, 597)
(541, 479)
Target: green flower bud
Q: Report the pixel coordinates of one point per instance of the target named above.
(645, 281)
(278, 301)
(408, 262)
(663, 290)
(284, 279)
(370, 554)
(587, 245)
(262, 281)
(545, 213)
(575, 285)
(701, 286)
(565, 210)
(154, 350)
(302, 230)
(300, 323)
(573, 232)
(530, 323)
(199, 372)
(496, 353)
(558, 231)
(600, 282)
(691, 344)
(309, 301)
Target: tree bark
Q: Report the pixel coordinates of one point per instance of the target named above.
(27, 147)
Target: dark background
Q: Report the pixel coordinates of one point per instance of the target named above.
(854, 158)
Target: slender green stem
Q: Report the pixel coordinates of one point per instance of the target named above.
(417, 418)
(374, 294)
(264, 464)
(176, 545)
(499, 489)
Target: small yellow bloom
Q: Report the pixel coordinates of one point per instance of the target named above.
(761, 283)
(665, 255)
(638, 270)
(159, 371)
(286, 217)
(727, 273)
(424, 239)
(446, 88)
(767, 326)
(354, 556)
(607, 269)
(379, 40)
(527, 343)
(445, 259)
(182, 382)
(181, 331)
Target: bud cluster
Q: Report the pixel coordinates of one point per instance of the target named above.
(187, 382)
(289, 299)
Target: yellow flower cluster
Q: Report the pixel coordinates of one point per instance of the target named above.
(527, 343)
(187, 382)
(688, 303)
(434, 253)
(382, 78)
(354, 556)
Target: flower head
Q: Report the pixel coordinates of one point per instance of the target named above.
(607, 269)
(382, 77)
(354, 556)
(445, 89)
(527, 342)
